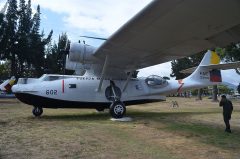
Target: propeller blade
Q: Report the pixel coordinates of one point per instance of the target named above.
(91, 37)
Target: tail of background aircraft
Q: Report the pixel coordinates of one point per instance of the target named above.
(7, 85)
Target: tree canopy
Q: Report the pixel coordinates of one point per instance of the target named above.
(185, 63)
(24, 46)
(231, 53)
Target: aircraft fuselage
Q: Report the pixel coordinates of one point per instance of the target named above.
(79, 92)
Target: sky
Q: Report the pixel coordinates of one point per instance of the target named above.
(100, 18)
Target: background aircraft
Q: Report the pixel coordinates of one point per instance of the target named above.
(5, 88)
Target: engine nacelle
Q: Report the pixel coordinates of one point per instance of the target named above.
(82, 53)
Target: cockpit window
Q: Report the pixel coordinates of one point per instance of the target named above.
(53, 78)
(155, 81)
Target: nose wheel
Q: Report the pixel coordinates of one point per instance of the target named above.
(37, 111)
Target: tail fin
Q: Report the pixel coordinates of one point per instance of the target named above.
(210, 58)
(205, 74)
(7, 85)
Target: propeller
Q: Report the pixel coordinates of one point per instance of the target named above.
(91, 37)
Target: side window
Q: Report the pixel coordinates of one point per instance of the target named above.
(155, 81)
(53, 78)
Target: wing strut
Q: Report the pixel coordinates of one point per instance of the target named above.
(103, 74)
(127, 81)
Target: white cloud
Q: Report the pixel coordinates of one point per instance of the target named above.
(2, 3)
(161, 70)
(99, 17)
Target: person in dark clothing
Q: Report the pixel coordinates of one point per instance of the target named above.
(238, 88)
(227, 111)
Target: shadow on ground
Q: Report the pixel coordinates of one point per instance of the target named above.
(76, 117)
(136, 115)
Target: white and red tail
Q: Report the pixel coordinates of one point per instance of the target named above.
(207, 72)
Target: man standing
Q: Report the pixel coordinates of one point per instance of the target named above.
(227, 111)
(238, 88)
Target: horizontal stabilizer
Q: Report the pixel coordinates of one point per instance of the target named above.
(189, 70)
(224, 66)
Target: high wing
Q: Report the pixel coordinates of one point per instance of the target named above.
(171, 29)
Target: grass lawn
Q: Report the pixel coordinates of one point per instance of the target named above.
(195, 130)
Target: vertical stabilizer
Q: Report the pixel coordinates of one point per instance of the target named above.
(205, 74)
(210, 58)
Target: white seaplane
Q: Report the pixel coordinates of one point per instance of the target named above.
(164, 30)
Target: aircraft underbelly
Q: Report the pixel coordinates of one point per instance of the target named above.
(45, 102)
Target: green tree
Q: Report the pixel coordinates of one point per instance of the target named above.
(23, 33)
(179, 65)
(231, 54)
(56, 54)
(38, 43)
(51, 59)
(2, 30)
(225, 90)
(185, 63)
(9, 37)
(5, 70)
(21, 41)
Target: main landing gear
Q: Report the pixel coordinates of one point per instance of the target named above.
(37, 111)
(117, 108)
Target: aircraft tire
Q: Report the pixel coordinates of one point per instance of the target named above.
(117, 109)
(37, 111)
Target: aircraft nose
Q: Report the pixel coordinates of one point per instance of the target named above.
(14, 88)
